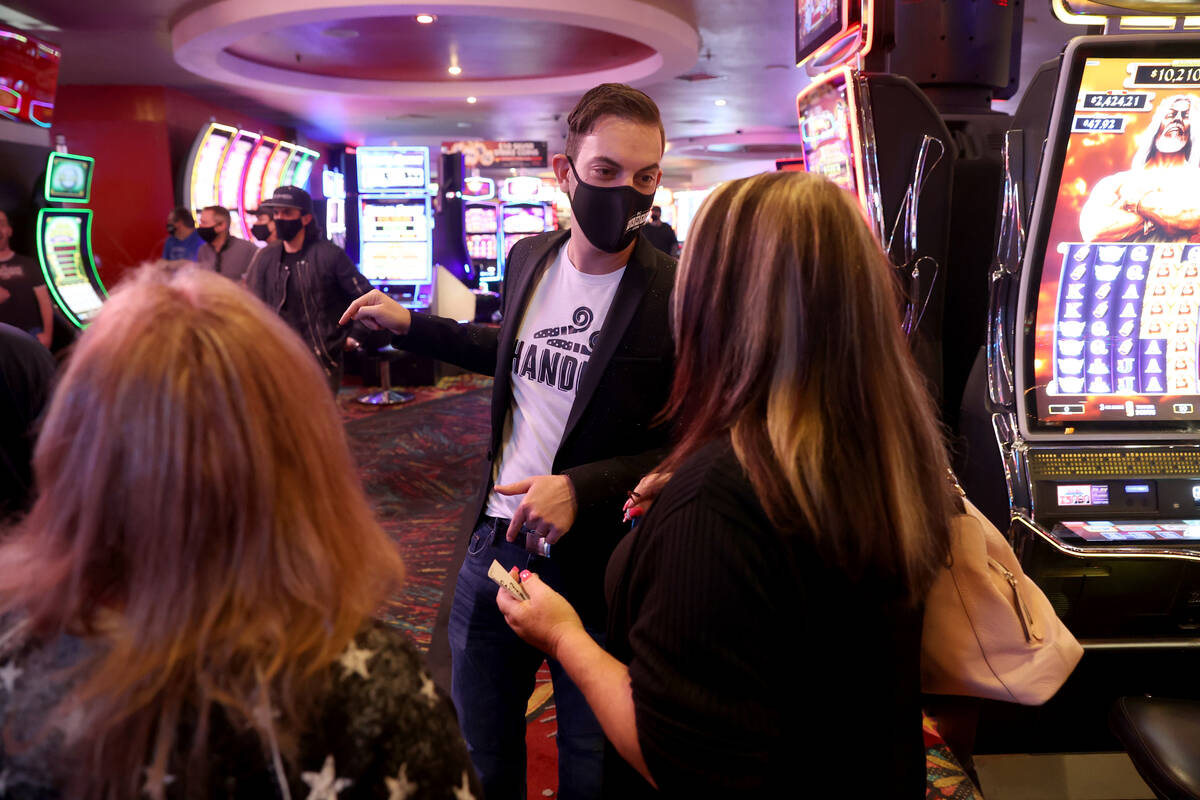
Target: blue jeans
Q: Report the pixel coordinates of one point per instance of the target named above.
(492, 676)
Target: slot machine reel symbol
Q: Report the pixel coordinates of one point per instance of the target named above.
(1126, 365)
(1140, 253)
(1098, 347)
(1075, 291)
(1070, 347)
(1125, 347)
(1078, 272)
(1136, 273)
(1126, 329)
(1100, 329)
(1070, 385)
(1101, 309)
(1110, 253)
(1070, 366)
(1071, 330)
(1107, 272)
(1102, 292)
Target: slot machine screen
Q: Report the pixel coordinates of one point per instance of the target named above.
(253, 188)
(229, 188)
(825, 134)
(1114, 270)
(207, 158)
(68, 178)
(524, 219)
(480, 219)
(28, 77)
(63, 251)
(395, 246)
(817, 23)
(273, 173)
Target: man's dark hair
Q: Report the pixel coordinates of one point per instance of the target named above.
(181, 214)
(220, 212)
(655, 209)
(610, 100)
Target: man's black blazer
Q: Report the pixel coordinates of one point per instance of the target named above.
(610, 440)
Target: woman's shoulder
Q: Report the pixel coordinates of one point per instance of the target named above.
(711, 479)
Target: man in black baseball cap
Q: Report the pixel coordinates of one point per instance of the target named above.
(306, 278)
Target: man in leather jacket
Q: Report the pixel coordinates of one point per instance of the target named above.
(308, 280)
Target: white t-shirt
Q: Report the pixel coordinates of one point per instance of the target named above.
(557, 336)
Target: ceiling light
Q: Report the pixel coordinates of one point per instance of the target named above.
(464, 124)
(455, 69)
(718, 102)
(426, 19)
(472, 100)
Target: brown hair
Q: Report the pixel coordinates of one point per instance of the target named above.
(200, 517)
(610, 100)
(785, 295)
(220, 212)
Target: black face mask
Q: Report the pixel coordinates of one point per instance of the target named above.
(170, 229)
(260, 232)
(286, 229)
(209, 235)
(609, 216)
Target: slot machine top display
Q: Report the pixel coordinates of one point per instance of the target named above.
(1111, 281)
(393, 170)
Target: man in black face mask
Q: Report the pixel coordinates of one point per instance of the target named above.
(583, 361)
(222, 252)
(307, 279)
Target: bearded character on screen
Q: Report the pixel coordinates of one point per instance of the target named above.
(1156, 200)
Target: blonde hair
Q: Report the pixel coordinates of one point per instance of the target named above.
(788, 338)
(200, 515)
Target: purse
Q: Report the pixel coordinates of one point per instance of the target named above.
(988, 630)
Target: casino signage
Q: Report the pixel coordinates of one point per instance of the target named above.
(499, 155)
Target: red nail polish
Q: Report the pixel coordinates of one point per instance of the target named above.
(636, 511)
(525, 574)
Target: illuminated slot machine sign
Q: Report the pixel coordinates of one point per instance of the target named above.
(819, 22)
(1113, 274)
(28, 77)
(829, 131)
(233, 174)
(64, 239)
(273, 174)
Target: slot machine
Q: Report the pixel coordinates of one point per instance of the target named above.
(879, 137)
(391, 228)
(64, 239)
(203, 178)
(333, 188)
(482, 226)
(525, 211)
(1099, 402)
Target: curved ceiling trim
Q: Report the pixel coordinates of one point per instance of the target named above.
(200, 41)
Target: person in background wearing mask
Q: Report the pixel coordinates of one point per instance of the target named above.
(182, 240)
(660, 234)
(583, 362)
(24, 298)
(263, 229)
(307, 279)
(222, 252)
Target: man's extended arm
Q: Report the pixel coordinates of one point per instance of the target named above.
(1175, 209)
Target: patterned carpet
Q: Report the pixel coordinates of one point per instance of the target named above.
(420, 465)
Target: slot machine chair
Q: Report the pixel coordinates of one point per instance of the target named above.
(1160, 736)
(386, 396)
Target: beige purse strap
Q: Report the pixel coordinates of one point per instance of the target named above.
(268, 723)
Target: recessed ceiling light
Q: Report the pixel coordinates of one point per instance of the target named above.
(472, 100)
(340, 33)
(464, 124)
(455, 69)
(426, 19)
(719, 102)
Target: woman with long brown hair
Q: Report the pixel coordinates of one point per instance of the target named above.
(185, 612)
(765, 617)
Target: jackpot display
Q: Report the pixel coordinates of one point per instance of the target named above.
(1118, 265)
(826, 131)
(28, 77)
(238, 168)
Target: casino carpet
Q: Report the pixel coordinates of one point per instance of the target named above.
(420, 464)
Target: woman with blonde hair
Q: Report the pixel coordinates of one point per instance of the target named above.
(185, 612)
(765, 617)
